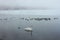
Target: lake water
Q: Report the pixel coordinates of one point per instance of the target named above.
(42, 30)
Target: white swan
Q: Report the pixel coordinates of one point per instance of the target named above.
(28, 29)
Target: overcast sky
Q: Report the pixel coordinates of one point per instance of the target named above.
(31, 3)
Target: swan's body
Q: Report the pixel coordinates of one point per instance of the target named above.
(28, 29)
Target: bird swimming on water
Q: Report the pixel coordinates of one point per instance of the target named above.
(28, 29)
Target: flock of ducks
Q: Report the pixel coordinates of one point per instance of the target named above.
(38, 19)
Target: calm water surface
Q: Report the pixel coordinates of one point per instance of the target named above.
(42, 30)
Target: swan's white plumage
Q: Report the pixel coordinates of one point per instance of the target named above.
(28, 29)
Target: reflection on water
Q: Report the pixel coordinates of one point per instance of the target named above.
(29, 32)
(43, 30)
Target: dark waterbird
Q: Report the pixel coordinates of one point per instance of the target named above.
(55, 18)
(5, 19)
(40, 19)
(18, 27)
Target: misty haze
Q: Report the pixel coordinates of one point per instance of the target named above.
(29, 19)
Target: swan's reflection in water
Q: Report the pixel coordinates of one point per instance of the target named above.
(30, 31)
